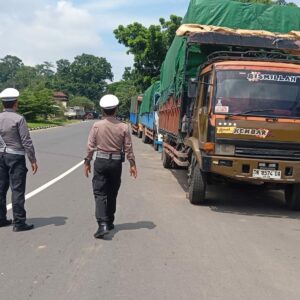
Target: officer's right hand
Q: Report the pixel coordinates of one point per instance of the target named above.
(34, 167)
(87, 169)
(133, 171)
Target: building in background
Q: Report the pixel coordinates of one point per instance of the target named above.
(61, 98)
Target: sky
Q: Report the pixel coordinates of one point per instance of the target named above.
(49, 30)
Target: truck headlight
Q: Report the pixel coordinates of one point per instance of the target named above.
(222, 149)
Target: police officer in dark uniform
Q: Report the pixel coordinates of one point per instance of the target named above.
(108, 139)
(15, 142)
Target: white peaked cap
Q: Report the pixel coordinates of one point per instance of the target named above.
(9, 94)
(109, 102)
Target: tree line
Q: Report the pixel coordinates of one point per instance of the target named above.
(86, 79)
(83, 81)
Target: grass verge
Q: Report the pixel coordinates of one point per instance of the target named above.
(46, 124)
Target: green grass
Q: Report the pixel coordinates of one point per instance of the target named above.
(55, 122)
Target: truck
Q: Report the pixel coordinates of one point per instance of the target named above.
(149, 115)
(234, 114)
(136, 127)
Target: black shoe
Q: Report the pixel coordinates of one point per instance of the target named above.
(102, 231)
(5, 222)
(22, 227)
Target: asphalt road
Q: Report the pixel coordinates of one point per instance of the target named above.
(243, 244)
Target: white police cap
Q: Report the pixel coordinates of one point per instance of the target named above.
(9, 94)
(109, 102)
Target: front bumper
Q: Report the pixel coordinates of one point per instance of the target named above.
(239, 168)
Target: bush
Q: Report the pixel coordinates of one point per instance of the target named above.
(37, 103)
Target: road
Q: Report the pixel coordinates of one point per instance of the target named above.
(242, 245)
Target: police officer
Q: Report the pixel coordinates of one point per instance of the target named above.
(108, 138)
(15, 142)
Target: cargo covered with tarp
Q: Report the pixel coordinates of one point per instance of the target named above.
(177, 68)
(136, 103)
(149, 98)
(134, 109)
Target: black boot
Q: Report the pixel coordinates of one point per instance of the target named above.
(110, 226)
(22, 227)
(102, 231)
(5, 222)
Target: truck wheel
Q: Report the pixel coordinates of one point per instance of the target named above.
(145, 139)
(197, 187)
(139, 134)
(292, 196)
(167, 161)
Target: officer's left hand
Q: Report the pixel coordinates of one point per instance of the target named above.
(87, 169)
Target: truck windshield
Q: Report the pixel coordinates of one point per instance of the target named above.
(259, 93)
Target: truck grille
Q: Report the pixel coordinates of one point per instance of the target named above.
(267, 153)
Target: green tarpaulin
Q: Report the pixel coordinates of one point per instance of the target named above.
(224, 13)
(133, 104)
(149, 96)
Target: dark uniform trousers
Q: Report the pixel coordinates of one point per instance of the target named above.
(106, 184)
(13, 173)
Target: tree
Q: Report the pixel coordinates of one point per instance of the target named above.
(25, 77)
(63, 80)
(45, 69)
(148, 46)
(171, 27)
(128, 74)
(82, 101)
(46, 74)
(9, 65)
(89, 75)
(124, 90)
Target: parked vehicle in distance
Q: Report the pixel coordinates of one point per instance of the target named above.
(134, 115)
(90, 115)
(76, 112)
(149, 115)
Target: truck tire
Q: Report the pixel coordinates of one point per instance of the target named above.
(197, 187)
(139, 134)
(145, 139)
(167, 161)
(292, 196)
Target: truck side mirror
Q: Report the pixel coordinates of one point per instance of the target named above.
(192, 87)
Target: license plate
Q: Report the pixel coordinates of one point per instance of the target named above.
(266, 174)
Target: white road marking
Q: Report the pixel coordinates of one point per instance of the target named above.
(48, 184)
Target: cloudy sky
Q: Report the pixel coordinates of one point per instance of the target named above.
(48, 30)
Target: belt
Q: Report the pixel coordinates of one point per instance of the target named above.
(12, 151)
(108, 155)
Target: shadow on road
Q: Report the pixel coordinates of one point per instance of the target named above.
(250, 201)
(130, 226)
(242, 199)
(41, 222)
